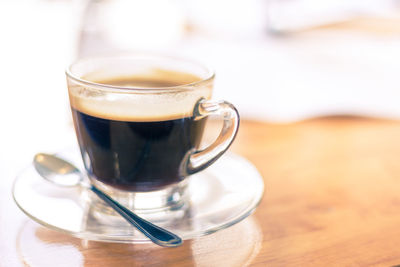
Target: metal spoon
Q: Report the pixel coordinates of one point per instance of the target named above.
(63, 173)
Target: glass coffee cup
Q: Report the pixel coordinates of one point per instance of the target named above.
(139, 121)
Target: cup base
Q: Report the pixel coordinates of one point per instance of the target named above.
(169, 198)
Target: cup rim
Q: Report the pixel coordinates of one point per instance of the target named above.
(130, 89)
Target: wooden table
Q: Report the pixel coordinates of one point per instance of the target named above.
(332, 199)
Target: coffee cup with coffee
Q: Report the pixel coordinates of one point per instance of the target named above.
(139, 120)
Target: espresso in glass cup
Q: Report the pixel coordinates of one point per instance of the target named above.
(139, 121)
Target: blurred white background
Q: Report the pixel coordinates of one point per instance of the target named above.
(277, 60)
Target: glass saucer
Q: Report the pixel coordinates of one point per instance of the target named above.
(222, 195)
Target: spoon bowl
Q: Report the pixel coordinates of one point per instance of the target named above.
(57, 171)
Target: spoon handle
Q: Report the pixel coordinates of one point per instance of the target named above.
(158, 235)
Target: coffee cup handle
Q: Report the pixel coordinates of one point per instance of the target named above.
(198, 160)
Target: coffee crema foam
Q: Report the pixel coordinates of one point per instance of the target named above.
(165, 104)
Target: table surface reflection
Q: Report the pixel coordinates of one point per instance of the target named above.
(331, 199)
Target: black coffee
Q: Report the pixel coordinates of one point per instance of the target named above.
(136, 155)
